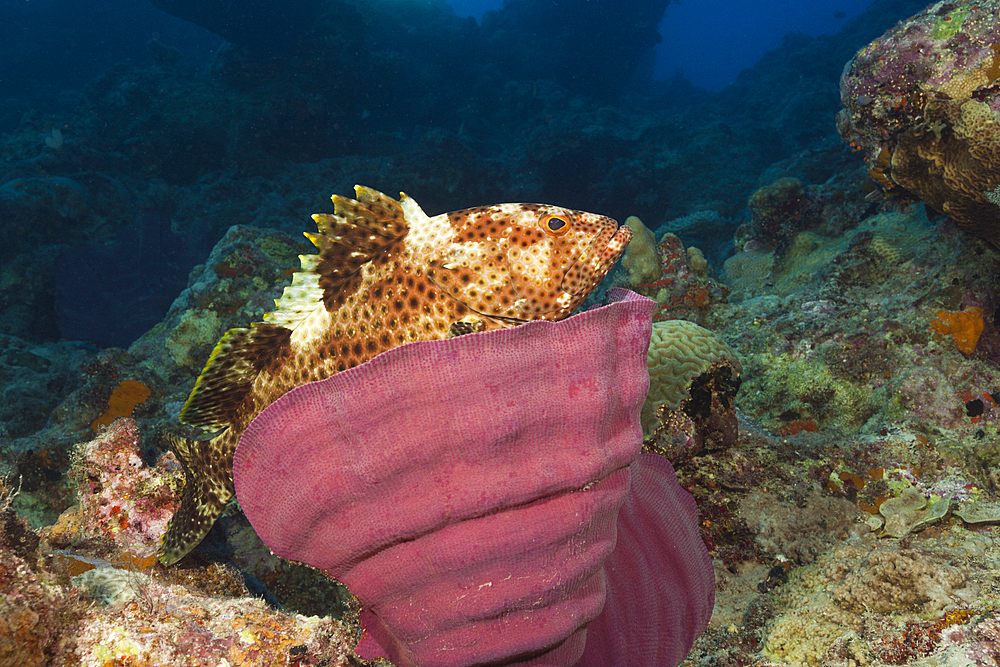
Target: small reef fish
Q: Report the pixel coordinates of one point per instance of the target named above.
(386, 274)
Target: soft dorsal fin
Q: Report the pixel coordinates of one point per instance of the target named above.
(235, 362)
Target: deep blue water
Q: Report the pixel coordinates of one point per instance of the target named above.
(48, 47)
(711, 41)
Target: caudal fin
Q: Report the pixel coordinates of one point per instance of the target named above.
(208, 471)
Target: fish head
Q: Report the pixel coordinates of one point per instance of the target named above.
(527, 261)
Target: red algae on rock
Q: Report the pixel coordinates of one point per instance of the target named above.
(120, 497)
(36, 615)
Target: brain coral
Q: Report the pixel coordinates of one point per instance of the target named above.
(679, 351)
(921, 101)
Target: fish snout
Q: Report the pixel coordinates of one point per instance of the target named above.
(607, 248)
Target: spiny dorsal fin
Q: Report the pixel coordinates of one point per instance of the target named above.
(237, 359)
(357, 232)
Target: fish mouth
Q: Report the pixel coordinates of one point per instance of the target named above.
(604, 252)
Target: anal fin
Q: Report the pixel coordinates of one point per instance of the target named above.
(208, 488)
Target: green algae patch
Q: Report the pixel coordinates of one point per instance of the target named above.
(910, 511)
(979, 512)
(949, 24)
(776, 383)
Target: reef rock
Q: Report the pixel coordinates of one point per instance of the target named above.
(921, 103)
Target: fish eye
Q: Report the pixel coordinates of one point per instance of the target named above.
(555, 224)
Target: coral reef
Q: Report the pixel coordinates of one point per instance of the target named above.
(679, 353)
(852, 522)
(236, 629)
(861, 604)
(786, 207)
(674, 276)
(887, 580)
(920, 103)
(849, 503)
(750, 272)
(910, 511)
(89, 592)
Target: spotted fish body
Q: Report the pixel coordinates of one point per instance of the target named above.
(386, 274)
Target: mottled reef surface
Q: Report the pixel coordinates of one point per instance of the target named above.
(852, 520)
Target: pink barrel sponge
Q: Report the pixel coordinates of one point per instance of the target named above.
(467, 491)
(661, 584)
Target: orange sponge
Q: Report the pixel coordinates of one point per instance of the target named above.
(965, 327)
(125, 397)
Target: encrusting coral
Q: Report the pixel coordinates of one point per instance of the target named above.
(910, 511)
(864, 604)
(921, 103)
(750, 271)
(965, 327)
(889, 580)
(798, 531)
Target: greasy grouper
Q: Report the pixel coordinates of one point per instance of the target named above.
(386, 274)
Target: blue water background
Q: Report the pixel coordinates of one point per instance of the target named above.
(711, 41)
